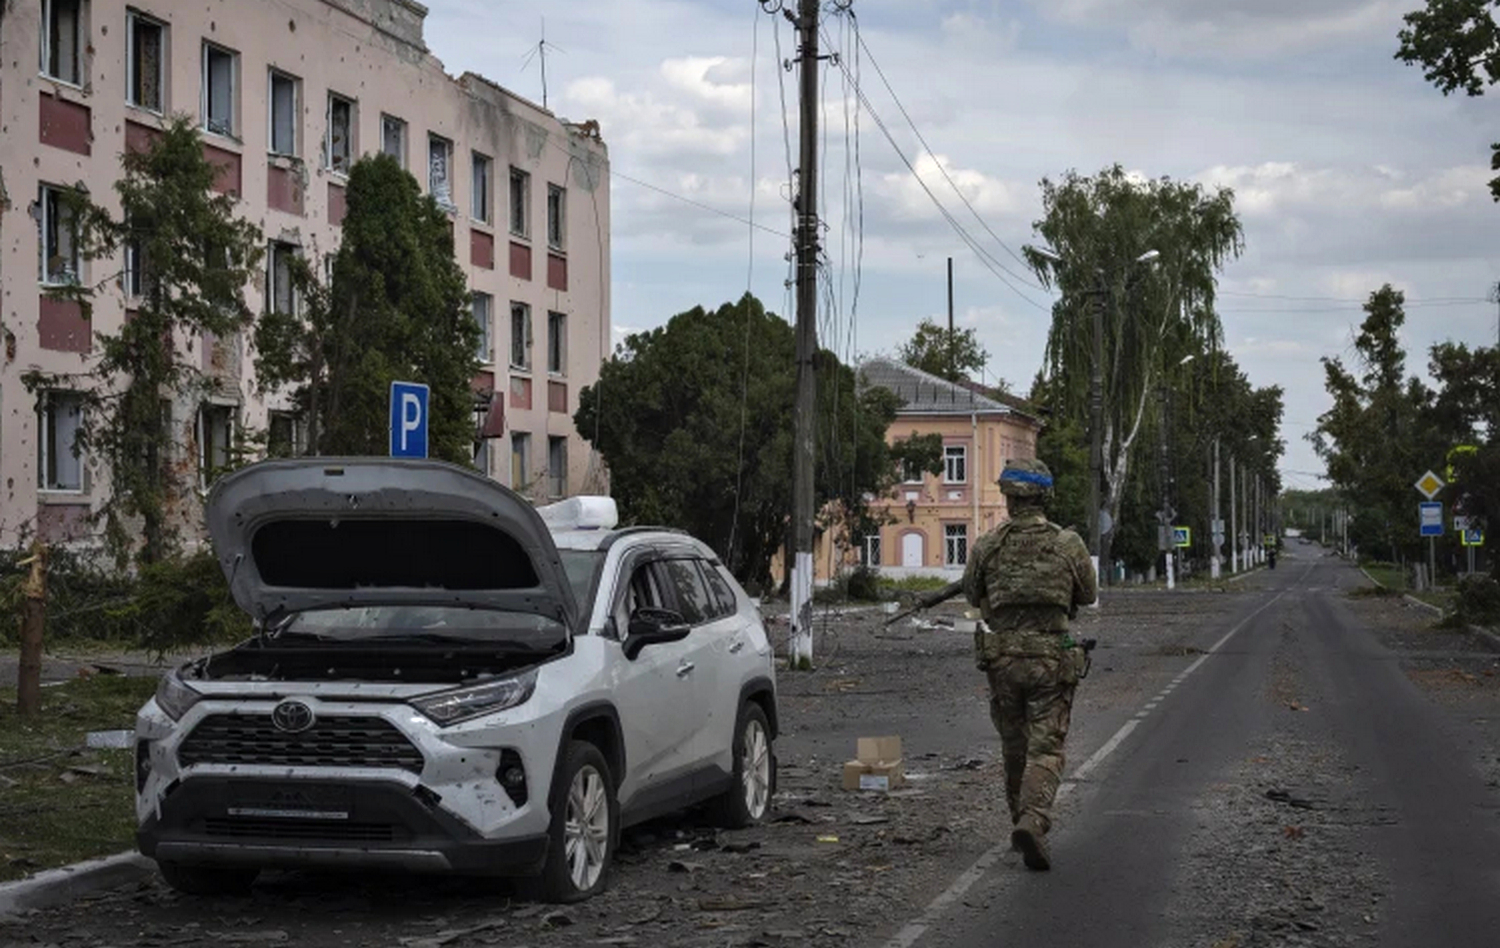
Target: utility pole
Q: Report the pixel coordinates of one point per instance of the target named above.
(1234, 536)
(1216, 525)
(952, 359)
(1164, 532)
(806, 236)
(1096, 433)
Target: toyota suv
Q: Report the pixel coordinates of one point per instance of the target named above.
(443, 677)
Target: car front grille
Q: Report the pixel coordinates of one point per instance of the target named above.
(340, 831)
(332, 741)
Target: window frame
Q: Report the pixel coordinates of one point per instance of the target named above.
(133, 18)
(698, 614)
(557, 230)
(201, 426)
(446, 202)
(350, 132)
(389, 121)
(557, 484)
(952, 453)
(557, 343)
(45, 435)
(50, 197)
(46, 66)
(274, 250)
(520, 460)
(486, 336)
(873, 550)
(294, 421)
(481, 187)
(954, 534)
(520, 178)
(524, 310)
(205, 95)
(272, 75)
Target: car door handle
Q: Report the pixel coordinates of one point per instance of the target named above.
(685, 669)
(735, 648)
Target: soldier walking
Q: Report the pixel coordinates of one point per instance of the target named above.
(1028, 577)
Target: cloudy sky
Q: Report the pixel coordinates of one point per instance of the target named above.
(1349, 170)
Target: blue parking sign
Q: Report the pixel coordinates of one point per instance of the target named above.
(1431, 514)
(409, 401)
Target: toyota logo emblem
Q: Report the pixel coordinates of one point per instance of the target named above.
(293, 717)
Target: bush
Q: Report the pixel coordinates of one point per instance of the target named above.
(863, 585)
(912, 584)
(1478, 601)
(184, 602)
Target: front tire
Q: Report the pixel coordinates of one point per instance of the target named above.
(748, 798)
(192, 879)
(585, 826)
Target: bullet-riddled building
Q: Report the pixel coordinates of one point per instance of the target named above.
(287, 94)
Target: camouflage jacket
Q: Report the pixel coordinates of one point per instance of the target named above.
(1029, 576)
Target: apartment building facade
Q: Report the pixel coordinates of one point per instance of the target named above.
(287, 94)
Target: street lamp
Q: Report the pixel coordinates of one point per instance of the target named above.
(1096, 390)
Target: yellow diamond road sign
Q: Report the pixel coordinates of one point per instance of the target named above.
(1429, 485)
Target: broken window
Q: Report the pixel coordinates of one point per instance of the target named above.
(284, 435)
(281, 295)
(482, 308)
(557, 343)
(557, 467)
(145, 42)
(339, 146)
(60, 464)
(283, 113)
(59, 238)
(520, 336)
(393, 138)
(556, 206)
(480, 209)
(520, 193)
(62, 40)
(440, 170)
(218, 89)
(520, 459)
(215, 441)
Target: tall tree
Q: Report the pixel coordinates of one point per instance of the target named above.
(1378, 437)
(1457, 43)
(397, 308)
(1467, 410)
(189, 259)
(1100, 227)
(694, 419)
(936, 351)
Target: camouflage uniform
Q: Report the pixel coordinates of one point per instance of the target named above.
(1028, 577)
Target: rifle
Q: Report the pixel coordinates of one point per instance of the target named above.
(928, 601)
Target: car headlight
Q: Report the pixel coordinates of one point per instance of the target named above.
(450, 707)
(174, 697)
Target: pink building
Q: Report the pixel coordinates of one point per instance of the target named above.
(288, 94)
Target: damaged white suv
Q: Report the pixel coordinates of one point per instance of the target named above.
(446, 678)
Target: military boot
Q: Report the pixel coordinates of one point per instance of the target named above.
(1031, 840)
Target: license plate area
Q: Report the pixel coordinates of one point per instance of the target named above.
(290, 801)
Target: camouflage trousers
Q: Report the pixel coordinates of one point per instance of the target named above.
(1031, 702)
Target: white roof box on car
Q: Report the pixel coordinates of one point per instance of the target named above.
(581, 513)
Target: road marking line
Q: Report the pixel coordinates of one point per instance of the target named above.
(912, 931)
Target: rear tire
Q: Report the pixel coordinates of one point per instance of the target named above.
(191, 879)
(748, 799)
(585, 827)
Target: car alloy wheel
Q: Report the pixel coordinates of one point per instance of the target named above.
(755, 774)
(586, 829)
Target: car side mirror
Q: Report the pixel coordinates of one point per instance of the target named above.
(651, 626)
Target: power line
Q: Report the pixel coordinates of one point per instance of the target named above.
(698, 204)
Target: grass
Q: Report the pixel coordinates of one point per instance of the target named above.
(1393, 578)
(914, 584)
(61, 801)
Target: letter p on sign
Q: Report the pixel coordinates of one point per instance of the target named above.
(409, 401)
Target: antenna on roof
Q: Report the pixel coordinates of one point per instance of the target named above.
(539, 52)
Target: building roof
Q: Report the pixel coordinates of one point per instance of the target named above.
(926, 394)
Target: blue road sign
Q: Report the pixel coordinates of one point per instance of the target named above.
(1473, 537)
(1432, 518)
(1182, 536)
(409, 401)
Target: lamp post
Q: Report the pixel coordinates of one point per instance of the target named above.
(1096, 391)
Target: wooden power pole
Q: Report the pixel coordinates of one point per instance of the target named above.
(33, 618)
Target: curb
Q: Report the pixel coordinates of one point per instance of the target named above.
(1436, 610)
(1486, 636)
(56, 886)
(1243, 573)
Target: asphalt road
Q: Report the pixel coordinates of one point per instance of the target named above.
(1296, 787)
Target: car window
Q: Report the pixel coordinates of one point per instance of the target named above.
(693, 598)
(723, 595)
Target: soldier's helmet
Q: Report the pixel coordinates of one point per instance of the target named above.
(1026, 477)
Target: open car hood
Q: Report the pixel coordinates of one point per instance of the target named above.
(315, 533)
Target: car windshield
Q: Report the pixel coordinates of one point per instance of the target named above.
(581, 566)
(425, 624)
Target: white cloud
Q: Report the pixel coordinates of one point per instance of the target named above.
(988, 195)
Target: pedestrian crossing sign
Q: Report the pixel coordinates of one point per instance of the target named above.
(1472, 538)
(1182, 536)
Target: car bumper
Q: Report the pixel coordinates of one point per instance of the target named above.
(374, 825)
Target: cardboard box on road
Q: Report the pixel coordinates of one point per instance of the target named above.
(877, 765)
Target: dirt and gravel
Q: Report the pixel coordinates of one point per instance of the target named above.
(1270, 854)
